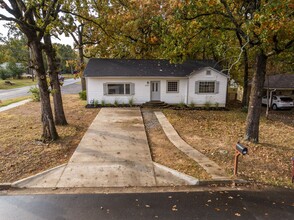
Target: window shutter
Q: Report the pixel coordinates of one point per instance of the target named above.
(132, 89)
(216, 90)
(196, 87)
(105, 88)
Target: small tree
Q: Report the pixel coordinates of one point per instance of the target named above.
(15, 70)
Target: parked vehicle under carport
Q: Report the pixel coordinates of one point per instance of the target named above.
(279, 102)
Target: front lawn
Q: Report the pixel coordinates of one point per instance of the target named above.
(21, 152)
(16, 83)
(215, 133)
(11, 101)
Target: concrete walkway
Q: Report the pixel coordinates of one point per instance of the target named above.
(13, 105)
(211, 167)
(114, 152)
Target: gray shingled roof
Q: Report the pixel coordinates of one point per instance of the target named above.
(130, 67)
(280, 81)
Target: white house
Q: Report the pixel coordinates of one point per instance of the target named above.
(121, 80)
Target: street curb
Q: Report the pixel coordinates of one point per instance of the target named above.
(222, 182)
(30, 178)
(5, 186)
(189, 179)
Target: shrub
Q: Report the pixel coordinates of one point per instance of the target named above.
(4, 74)
(103, 103)
(96, 102)
(245, 109)
(115, 103)
(131, 102)
(207, 105)
(83, 95)
(216, 104)
(182, 105)
(35, 93)
(192, 104)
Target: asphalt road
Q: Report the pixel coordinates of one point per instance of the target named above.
(23, 91)
(179, 205)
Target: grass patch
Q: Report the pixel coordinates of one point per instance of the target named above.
(11, 101)
(22, 155)
(165, 153)
(17, 83)
(68, 76)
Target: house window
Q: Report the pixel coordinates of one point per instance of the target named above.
(118, 88)
(208, 72)
(172, 86)
(206, 87)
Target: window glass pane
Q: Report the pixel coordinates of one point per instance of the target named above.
(128, 89)
(172, 86)
(115, 88)
(206, 87)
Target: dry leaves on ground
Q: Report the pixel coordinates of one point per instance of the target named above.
(214, 133)
(21, 154)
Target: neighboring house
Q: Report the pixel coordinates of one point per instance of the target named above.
(121, 80)
(280, 84)
(6, 64)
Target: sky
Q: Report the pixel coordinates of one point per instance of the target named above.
(63, 39)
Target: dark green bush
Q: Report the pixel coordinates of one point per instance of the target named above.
(83, 95)
(4, 74)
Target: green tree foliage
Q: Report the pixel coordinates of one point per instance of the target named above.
(15, 70)
(64, 54)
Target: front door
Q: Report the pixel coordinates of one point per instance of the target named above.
(155, 90)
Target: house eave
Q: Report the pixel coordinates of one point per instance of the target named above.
(138, 77)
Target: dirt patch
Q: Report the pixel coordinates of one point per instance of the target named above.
(215, 133)
(22, 155)
(165, 153)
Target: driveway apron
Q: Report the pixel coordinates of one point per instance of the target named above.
(114, 152)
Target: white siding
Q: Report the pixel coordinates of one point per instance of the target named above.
(142, 90)
(213, 99)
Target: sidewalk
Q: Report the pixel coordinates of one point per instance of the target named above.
(13, 105)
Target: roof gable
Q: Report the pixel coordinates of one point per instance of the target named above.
(137, 68)
(209, 68)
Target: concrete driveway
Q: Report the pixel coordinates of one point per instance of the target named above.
(113, 152)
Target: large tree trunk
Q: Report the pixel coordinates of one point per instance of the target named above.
(254, 111)
(245, 79)
(60, 118)
(82, 64)
(81, 55)
(49, 130)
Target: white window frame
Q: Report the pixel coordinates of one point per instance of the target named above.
(172, 81)
(131, 85)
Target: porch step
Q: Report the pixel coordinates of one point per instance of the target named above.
(155, 104)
